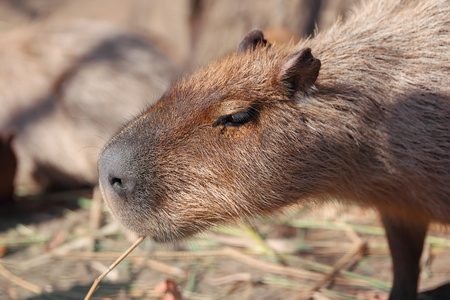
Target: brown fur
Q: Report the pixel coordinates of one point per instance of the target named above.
(372, 129)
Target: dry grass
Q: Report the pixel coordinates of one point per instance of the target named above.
(51, 250)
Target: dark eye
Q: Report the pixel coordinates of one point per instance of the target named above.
(237, 119)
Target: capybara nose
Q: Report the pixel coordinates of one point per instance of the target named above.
(121, 185)
(115, 174)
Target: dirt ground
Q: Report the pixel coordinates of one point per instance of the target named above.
(48, 251)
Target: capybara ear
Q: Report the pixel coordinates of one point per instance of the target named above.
(300, 71)
(251, 40)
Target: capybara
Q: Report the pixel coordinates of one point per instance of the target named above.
(65, 88)
(360, 113)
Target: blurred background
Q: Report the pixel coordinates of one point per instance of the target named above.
(74, 71)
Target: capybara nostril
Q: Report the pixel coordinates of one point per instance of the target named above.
(123, 187)
(115, 182)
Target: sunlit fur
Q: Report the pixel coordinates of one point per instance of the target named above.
(374, 129)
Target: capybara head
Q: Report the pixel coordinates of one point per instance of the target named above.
(221, 144)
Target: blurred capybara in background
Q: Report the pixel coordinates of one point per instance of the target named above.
(359, 113)
(218, 26)
(65, 87)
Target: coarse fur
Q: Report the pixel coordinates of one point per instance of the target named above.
(262, 129)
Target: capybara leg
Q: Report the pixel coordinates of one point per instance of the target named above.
(406, 243)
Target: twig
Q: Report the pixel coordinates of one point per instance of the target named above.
(230, 278)
(95, 214)
(347, 279)
(165, 268)
(271, 267)
(425, 259)
(358, 248)
(348, 258)
(113, 265)
(78, 243)
(442, 242)
(157, 254)
(19, 281)
(254, 235)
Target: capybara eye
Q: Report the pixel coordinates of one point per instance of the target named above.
(236, 119)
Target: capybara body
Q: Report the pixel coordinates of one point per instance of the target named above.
(360, 113)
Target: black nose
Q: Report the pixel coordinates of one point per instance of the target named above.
(115, 172)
